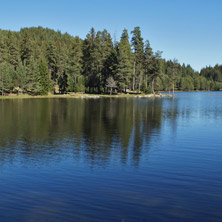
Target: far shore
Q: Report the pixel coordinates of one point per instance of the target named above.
(84, 95)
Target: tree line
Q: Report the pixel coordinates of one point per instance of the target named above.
(40, 60)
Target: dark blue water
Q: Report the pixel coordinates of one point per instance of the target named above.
(123, 159)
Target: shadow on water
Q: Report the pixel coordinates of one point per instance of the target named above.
(111, 159)
(92, 129)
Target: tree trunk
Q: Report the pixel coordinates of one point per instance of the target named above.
(2, 87)
(133, 83)
(153, 80)
(140, 80)
(134, 74)
(173, 89)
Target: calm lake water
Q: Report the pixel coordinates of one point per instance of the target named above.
(113, 159)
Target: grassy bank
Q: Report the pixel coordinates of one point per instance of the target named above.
(82, 95)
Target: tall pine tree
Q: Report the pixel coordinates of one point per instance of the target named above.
(13, 51)
(75, 79)
(44, 82)
(138, 54)
(125, 62)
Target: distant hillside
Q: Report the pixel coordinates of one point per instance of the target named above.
(39, 60)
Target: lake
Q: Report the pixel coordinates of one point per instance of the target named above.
(112, 159)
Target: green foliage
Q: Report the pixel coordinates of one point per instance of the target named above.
(21, 75)
(92, 59)
(62, 67)
(52, 59)
(138, 54)
(13, 51)
(38, 60)
(79, 85)
(74, 78)
(214, 77)
(32, 77)
(6, 77)
(3, 50)
(44, 83)
(148, 90)
(186, 84)
(156, 71)
(110, 84)
(26, 49)
(125, 62)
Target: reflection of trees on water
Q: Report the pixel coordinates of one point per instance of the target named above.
(93, 129)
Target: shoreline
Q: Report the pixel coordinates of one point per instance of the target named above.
(93, 96)
(84, 96)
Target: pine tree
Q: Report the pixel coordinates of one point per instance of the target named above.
(97, 61)
(52, 59)
(75, 83)
(13, 52)
(173, 74)
(21, 76)
(3, 50)
(62, 67)
(44, 83)
(138, 54)
(125, 67)
(26, 49)
(156, 69)
(6, 77)
(32, 74)
(77, 65)
(107, 56)
(148, 64)
(88, 46)
(92, 60)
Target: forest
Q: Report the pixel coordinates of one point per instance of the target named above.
(38, 61)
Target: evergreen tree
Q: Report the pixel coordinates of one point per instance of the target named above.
(138, 54)
(84, 65)
(108, 53)
(92, 60)
(26, 49)
(13, 52)
(44, 83)
(97, 61)
(32, 75)
(148, 64)
(157, 71)
(52, 59)
(125, 62)
(197, 83)
(21, 76)
(186, 83)
(62, 67)
(6, 77)
(88, 60)
(3, 50)
(75, 79)
(173, 74)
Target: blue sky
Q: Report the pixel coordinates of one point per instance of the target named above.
(188, 30)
